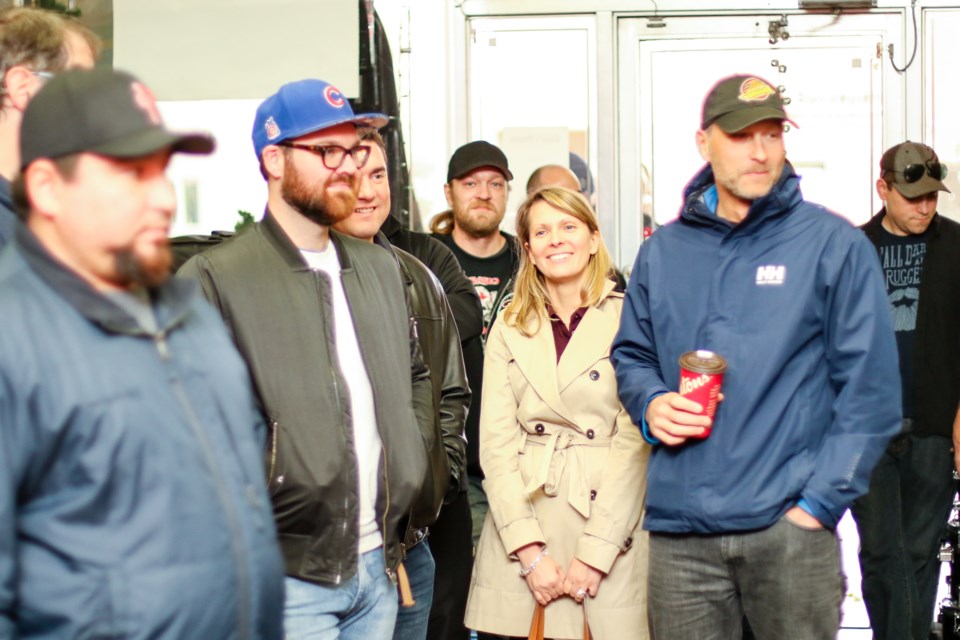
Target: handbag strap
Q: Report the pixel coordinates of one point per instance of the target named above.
(586, 627)
(536, 625)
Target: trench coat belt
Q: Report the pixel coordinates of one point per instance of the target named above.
(559, 445)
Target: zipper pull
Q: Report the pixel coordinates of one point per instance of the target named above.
(161, 341)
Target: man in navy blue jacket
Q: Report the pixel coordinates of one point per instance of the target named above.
(791, 295)
(132, 499)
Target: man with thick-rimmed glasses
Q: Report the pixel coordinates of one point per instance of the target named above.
(34, 45)
(905, 512)
(323, 323)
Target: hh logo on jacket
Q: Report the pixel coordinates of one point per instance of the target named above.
(771, 274)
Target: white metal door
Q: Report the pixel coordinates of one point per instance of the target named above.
(942, 95)
(829, 69)
(532, 91)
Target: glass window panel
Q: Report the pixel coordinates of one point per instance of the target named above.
(532, 93)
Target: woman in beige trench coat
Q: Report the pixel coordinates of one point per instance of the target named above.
(565, 468)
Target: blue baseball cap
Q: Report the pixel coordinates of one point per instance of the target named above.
(303, 107)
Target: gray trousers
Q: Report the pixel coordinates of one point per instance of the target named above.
(784, 579)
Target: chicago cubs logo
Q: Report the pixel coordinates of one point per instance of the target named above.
(333, 96)
(144, 100)
(755, 90)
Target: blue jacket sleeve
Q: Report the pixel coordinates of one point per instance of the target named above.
(863, 363)
(634, 351)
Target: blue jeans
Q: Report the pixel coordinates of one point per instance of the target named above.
(784, 579)
(900, 521)
(362, 608)
(412, 621)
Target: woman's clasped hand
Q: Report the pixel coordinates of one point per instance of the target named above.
(547, 581)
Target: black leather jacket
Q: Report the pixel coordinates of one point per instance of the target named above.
(460, 292)
(440, 346)
(275, 306)
(462, 296)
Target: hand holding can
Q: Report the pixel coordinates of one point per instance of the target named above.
(701, 376)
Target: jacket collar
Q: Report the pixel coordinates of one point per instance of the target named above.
(782, 199)
(873, 225)
(589, 343)
(279, 240)
(381, 241)
(390, 227)
(172, 300)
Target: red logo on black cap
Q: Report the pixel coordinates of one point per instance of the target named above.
(333, 96)
(145, 101)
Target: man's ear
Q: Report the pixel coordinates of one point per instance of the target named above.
(20, 84)
(446, 192)
(43, 184)
(702, 144)
(882, 189)
(273, 161)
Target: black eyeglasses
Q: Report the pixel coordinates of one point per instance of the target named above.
(333, 155)
(914, 172)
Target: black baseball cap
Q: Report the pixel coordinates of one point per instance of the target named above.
(736, 102)
(474, 155)
(102, 111)
(913, 169)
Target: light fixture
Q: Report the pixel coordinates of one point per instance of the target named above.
(837, 4)
(655, 21)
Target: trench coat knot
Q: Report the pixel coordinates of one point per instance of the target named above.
(561, 444)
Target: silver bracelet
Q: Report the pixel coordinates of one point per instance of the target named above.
(525, 571)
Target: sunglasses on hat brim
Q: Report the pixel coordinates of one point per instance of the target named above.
(914, 172)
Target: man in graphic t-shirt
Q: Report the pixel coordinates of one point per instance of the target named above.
(476, 191)
(904, 513)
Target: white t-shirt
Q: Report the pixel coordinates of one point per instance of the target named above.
(366, 438)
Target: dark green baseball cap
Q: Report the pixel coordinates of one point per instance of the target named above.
(102, 111)
(736, 102)
(913, 169)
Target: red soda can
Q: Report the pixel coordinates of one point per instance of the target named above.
(701, 376)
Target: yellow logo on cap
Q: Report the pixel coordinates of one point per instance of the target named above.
(755, 90)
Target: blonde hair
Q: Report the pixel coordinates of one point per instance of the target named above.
(530, 298)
